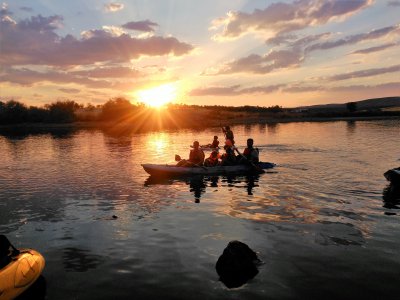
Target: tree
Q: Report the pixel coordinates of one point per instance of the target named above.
(115, 109)
(62, 111)
(13, 112)
(351, 106)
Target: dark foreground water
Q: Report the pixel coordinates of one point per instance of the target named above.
(321, 221)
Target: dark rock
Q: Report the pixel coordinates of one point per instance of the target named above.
(237, 264)
(393, 176)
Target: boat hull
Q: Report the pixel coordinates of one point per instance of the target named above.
(20, 273)
(171, 170)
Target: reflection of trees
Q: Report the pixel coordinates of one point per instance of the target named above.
(272, 127)
(23, 132)
(351, 126)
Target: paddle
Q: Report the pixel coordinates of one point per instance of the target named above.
(178, 158)
(258, 168)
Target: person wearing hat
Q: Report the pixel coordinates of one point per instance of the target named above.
(196, 157)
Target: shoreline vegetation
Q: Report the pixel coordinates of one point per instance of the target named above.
(119, 116)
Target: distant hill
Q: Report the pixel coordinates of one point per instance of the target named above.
(376, 103)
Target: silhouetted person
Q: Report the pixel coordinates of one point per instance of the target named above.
(228, 134)
(212, 161)
(196, 157)
(251, 153)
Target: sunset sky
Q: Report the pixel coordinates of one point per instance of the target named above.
(230, 52)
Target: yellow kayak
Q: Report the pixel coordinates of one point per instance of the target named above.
(20, 273)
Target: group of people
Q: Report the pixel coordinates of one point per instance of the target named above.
(228, 158)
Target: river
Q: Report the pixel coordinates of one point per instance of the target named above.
(321, 221)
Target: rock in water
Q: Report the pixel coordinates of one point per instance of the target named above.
(237, 264)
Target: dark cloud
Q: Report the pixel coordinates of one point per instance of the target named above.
(394, 3)
(258, 64)
(28, 77)
(34, 41)
(216, 91)
(286, 17)
(353, 39)
(69, 91)
(365, 73)
(26, 8)
(234, 90)
(145, 26)
(296, 50)
(374, 49)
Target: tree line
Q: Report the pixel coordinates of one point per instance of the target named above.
(67, 111)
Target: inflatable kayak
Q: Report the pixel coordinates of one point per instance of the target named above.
(207, 148)
(393, 176)
(172, 170)
(20, 273)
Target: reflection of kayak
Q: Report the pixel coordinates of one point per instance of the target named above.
(23, 270)
(393, 176)
(172, 170)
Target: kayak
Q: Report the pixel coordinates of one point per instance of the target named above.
(23, 270)
(393, 175)
(207, 148)
(172, 170)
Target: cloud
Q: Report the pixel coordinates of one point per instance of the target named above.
(145, 26)
(365, 73)
(374, 49)
(113, 7)
(34, 41)
(353, 39)
(234, 90)
(394, 3)
(26, 8)
(110, 72)
(295, 51)
(28, 77)
(281, 17)
(294, 88)
(69, 91)
(216, 91)
(262, 64)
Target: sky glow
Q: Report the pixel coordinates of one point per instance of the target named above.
(233, 52)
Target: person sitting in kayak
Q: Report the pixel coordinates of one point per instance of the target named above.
(228, 134)
(250, 154)
(196, 157)
(228, 158)
(215, 142)
(212, 161)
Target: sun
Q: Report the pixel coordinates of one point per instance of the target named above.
(158, 96)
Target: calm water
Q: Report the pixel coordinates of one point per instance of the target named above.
(318, 221)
